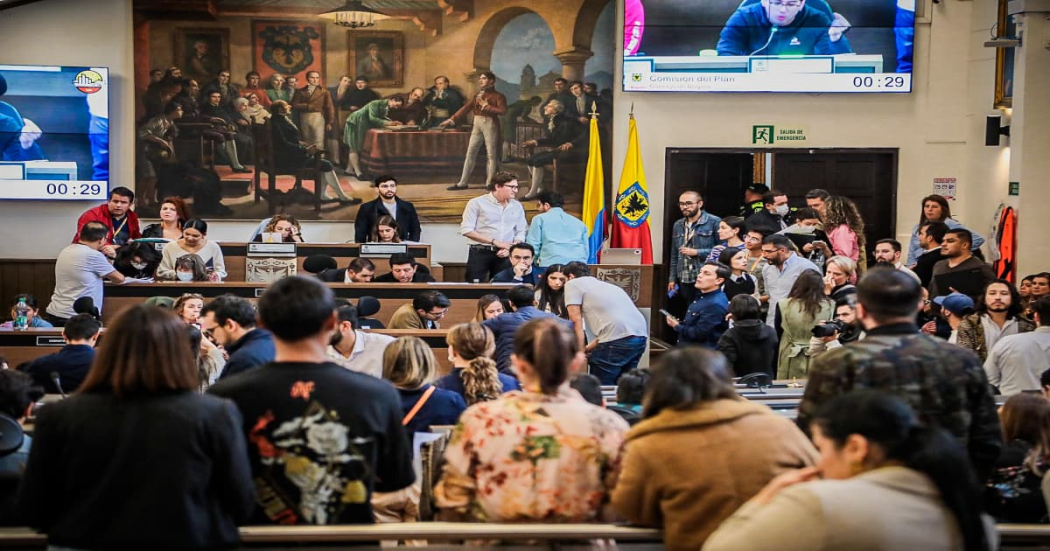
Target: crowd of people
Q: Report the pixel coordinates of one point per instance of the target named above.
(289, 411)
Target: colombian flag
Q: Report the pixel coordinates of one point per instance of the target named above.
(631, 226)
(594, 196)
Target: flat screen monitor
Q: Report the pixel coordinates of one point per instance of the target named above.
(768, 45)
(54, 132)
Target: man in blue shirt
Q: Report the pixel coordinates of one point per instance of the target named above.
(557, 237)
(705, 320)
(72, 363)
(783, 27)
(230, 321)
(522, 301)
(782, 270)
(521, 268)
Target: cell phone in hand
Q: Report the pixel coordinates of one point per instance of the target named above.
(666, 313)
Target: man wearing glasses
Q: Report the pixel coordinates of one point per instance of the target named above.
(229, 321)
(783, 269)
(494, 222)
(692, 238)
(784, 27)
(423, 312)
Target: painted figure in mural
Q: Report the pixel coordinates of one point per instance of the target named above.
(373, 115)
(412, 112)
(276, 90)
(227, 90)
(313, 104)
(487, 106)
(566, 138)
(290, 152)
(373, 65)
(442, 101)
(517, 112)
(202, 61)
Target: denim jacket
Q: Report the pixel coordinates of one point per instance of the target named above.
(705, 235)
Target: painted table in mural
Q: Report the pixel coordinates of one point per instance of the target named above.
(421, 155)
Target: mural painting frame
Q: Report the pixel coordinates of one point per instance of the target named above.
(186, 39)
(316, 43)
(391, 47)
(1004, 66)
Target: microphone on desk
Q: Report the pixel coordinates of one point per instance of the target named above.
(772, 33)
(86, 305)
(58, 383)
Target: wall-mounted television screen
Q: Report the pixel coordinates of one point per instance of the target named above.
(768, 45)
(54, 132)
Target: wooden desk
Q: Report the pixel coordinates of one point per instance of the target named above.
(18, 347)
(418, 153)
(464, 296)
(235, 255)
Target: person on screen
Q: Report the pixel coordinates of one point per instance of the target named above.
(783, 27)
(17, 135)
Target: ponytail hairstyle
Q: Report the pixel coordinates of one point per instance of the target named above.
(474, 343)
(549, 347)
(887, 422)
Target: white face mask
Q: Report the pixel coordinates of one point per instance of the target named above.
(138, 265)
(782, 210)
(184, 276)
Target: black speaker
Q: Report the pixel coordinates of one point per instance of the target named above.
(992, 130)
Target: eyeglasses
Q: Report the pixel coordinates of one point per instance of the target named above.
(769, 251)
(515, 188)
(440, 314)
(789, 5)
(687, 203)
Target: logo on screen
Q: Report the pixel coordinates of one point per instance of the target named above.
(88, 82)
(632, 206)
(637, 77)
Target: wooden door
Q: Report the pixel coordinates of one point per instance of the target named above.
(867, 176)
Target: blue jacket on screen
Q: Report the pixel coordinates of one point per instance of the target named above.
(749, 28)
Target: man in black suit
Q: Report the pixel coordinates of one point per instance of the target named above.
(405, 269)
(566, 138)
(776, 216)
(931, 235)
(387, 204)
(71, 364)
(359, 270)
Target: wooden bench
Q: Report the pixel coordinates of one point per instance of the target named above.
(235, 255)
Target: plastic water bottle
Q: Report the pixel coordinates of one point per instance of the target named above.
(21, 322)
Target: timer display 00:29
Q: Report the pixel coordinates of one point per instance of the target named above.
(876, 82)
(67, 190)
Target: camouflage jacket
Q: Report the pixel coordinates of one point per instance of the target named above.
(971, 334)
(944, 384)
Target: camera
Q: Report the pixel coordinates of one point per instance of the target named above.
(829, 328)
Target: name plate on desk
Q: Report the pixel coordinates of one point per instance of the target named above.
(50, 341)
(271, 249)
(383, 249)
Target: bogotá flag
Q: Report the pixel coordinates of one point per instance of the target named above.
(594, 196)
(631, 225)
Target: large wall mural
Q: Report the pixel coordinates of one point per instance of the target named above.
(230, 91)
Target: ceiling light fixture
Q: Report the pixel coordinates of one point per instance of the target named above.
(354, 15)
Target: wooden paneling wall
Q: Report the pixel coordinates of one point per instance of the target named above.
(33, 276)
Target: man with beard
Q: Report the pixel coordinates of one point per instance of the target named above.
(1015, 363)
(783, 270)
(566, 138)
(888, 253)
(354, 349)
(998, 315)
(692, 238)
(845, 312)
(959, 258)
(387, 204)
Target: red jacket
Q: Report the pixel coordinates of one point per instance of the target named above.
(101, 214)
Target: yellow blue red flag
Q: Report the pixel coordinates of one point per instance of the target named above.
(594, 196)
(631, 221)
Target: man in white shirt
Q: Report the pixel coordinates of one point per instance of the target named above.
(494, 221)
(888, 252)
(79, 272)
(1017, 361)
(354, 349)
(621, 332)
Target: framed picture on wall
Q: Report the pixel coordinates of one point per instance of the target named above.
(378, 55)
(202, 53)
(1004, 60)
(291, 48)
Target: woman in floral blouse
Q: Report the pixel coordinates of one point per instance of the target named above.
(543, 454)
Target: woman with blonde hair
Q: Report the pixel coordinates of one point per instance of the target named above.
(471, 347)
(286, 225)
(137, 420)
(539, 455)
(410, 365)
(489, 306)
(839, 277)
(845, 229)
